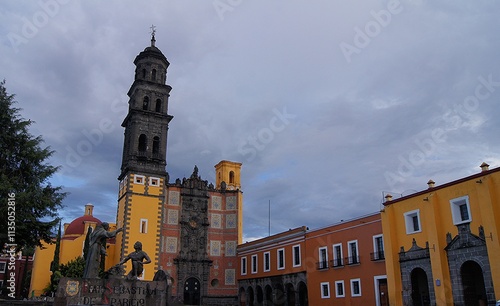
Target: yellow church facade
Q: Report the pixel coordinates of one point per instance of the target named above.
(442, 244)
(71, 246)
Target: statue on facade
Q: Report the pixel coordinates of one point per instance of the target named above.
(97, 249)
(137, 258)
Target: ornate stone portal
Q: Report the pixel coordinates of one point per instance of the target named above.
(193, 263)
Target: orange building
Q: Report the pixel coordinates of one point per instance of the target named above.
(346, 263)
(272, 270)
(341, 264)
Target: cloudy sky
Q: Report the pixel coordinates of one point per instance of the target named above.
(328, 104)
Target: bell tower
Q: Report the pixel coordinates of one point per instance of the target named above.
(143, 176)
(146, 125)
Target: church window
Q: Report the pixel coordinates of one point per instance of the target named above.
(154, 181)
(144, 226)
(231, 177)
(139, 179)
(143, 73)
(156, 145)
(145, 103)
(142, 143)
(158, 106)
(153, 75)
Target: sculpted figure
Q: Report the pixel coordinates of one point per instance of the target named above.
(137, 258)
(96, 249)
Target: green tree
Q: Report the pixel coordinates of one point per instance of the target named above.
(24, 177)
(74, 268)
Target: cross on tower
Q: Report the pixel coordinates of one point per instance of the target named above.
(153, 31)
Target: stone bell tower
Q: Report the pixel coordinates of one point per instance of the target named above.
(143, 176)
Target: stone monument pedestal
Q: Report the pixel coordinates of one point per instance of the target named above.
(112, 291)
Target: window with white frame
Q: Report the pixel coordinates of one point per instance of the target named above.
(267, 262)
(460, 210)
(254, 264)
(338, 260)
(144, 226)
(323, 258)
(243, 266)
(412, 221)
(139, 179)
(355, 287)
(296, 255)
(352, 252)
(154, 181)
(325, 290)
(281, 259)
(378, 247)
(339, 289)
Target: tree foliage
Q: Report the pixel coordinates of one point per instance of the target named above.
(25, 173)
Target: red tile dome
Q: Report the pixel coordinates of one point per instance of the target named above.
(77, 226)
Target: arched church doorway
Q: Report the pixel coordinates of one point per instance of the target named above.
(473, 284)
(419, 288)
(250, 296)
(243, 297)
(303, 300)
(192, 291)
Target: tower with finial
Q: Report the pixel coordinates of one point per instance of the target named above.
(143, 176)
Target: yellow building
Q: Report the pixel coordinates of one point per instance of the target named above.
(442, 244)
(72, 243)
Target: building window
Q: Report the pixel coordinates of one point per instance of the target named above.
(412, 220)
(460, 210)
(339, 289)
(156, 147)
(325, 290)
(143, 73)
(281, 259)
(267, 262)
(243, 266)
(2, 268)
(355, 287)
(352, 251)
(323, 258)
(144, 226)
(378, 248)
(145, 103)
(231, 177)
(143, 143)
(254, 264)
(154, 181)
(296, 256)
(153, 75)
(337, 255)
(139, 179)
(158, 106)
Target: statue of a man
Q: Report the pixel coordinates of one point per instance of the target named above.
(96, 249)
(136, 257)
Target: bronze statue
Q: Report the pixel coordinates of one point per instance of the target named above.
(96, 249)
(137, 257)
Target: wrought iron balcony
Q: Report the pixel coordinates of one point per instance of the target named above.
(339, 262)
(375, 256)
(352, 260)
(322, 265)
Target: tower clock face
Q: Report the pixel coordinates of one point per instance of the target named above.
(193, 223)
